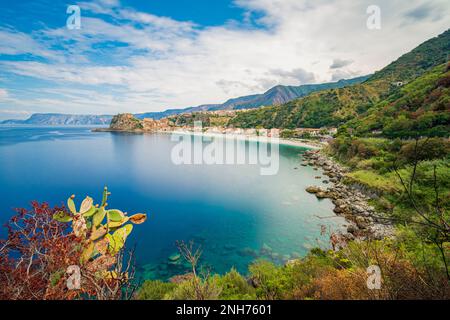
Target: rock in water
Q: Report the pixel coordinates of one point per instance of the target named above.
(174, 257)
(248, 252)
(321, 195)
(266, 249)
(229, 247)
(313, 189)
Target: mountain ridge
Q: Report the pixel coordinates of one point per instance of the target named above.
(275, 95)
(62, 119)
(335, 107)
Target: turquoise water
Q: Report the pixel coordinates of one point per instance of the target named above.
(231, 211)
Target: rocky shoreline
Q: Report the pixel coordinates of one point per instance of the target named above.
(350, 202)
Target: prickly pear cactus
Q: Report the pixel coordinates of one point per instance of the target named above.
(103, 231)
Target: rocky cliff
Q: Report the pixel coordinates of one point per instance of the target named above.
(125, 122)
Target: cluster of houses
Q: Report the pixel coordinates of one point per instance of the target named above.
(229, 113)
(322, 133)
(247, 132)
(313, 132)
(398, 83)
(166, 125)
(157, 125)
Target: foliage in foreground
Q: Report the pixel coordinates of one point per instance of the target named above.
(324, 275)
(42, 252)
(412, 181)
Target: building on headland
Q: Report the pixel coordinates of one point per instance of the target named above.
(377, 132)
(274, 133)
(239, 131)
(250, 132)
(321, 133)
(398, 83)
(316, 132)
(311, 131)
(262, 132)
(223, 112)
(214, 130)
(156, 125)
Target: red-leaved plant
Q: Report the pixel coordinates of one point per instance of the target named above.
(35, 255)
(43, 249)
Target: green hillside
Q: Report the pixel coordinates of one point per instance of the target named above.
(336, 106)
(420, 108)
(432, 52)
(325, 108)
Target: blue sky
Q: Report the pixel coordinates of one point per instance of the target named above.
(136, 55)
(27, 15)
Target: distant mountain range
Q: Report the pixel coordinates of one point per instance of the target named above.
(62, 119)
(274, 96)
(336, 106)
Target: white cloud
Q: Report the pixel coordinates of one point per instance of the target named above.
(340, 63)
(155, 21)
(343, 74)
(168, 63)
(110, 3)
(14, 112)
(16, 43)
(425, 11)
(3, 94)
(299, 74)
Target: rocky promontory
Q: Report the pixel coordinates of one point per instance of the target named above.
(127, 122)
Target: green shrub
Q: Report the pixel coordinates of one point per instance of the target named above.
(196, 289)
(428, 149)
(269, 280)
(234, 286)
(375, 181)
(183, 291)
(155, 290)
(424, 256)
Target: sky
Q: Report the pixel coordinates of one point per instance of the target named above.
(152, 55)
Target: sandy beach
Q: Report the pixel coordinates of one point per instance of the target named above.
(290, 142)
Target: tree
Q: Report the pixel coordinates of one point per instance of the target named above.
(199, 286)
(432, 221)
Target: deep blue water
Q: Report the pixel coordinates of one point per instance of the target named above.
(230, 210)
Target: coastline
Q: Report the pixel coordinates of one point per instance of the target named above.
(309, 144)
(281, 141)
(349, 202)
